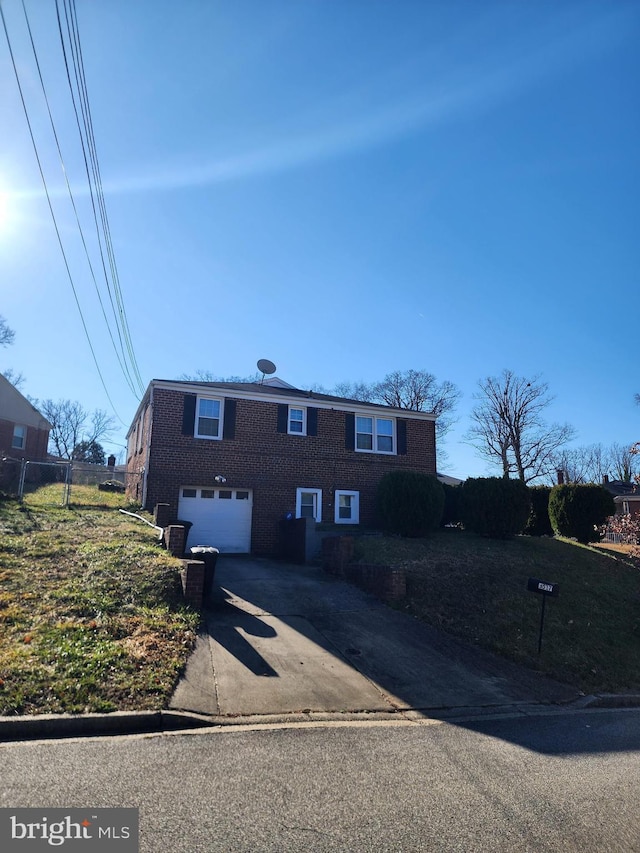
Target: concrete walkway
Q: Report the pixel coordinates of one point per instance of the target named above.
(282, 639)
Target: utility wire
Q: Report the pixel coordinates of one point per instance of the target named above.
(123, 366)
(107, 228)
(95, 184)
(57, 230)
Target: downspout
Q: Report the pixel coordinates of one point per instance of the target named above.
(145, 471)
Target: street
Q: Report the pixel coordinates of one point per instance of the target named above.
(560, 781)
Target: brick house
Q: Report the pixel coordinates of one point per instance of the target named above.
(24, 432)
(626, 496)
(234, 458)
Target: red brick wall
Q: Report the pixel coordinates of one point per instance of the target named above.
(272, 464)
(35, 446)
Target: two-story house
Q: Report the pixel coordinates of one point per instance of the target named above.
(234, 458)
(24, 432)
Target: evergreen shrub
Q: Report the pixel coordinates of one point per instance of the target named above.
(577, 511)
(539, 523)
(409, 503)
(452, 504)
(495, 506)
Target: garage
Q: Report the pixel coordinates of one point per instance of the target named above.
(220, 517)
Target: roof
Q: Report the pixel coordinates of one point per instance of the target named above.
(14, 407)
(620, 487)
(278, 391)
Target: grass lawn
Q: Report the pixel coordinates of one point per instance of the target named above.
(91, 611)
(475, 588)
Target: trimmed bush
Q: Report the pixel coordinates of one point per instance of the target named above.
(576, 511)
(494, 506)
(410, 503)
(539, 523)
(452, 505)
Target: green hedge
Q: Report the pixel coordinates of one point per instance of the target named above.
(539, 523)
(576, 511)
(494, 506)
(409, 503)
(452, 505)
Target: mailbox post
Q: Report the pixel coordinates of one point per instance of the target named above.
(543, 588)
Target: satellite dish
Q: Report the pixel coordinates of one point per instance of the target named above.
(266, 366)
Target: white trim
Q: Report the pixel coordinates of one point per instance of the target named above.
(317, 503)
(212, 390)
(355, 507)
(375, 435)
(302, 409)
(23, 437)
(220, 400)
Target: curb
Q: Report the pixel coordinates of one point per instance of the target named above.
(608, 700)
(51, 726)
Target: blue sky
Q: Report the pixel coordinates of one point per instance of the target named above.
(345, 187)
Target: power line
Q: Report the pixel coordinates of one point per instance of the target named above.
(55, 223)
(85, 109)
(75, 210)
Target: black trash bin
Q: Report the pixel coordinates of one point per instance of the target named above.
(209, 557)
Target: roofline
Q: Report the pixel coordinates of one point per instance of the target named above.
(318, 401)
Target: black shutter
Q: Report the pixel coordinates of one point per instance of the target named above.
(312, 421)
(229, 426)
(189, 415)
(283, 417)
(350, 431)
(401, 434)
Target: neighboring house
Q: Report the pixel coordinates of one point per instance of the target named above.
(626, 496)
(24, 432)
(628, 504)
(236, 458)
(447, 480)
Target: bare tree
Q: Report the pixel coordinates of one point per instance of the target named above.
(624, 462)
(71, 425)
(6, 334)
(508, 426)
(417, 390)
(360, 391)
(16, 379)
(207, 376)
(587, 464)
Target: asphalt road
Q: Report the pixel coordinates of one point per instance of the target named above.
(556, 782)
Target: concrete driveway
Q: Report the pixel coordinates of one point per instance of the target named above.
(282, 639)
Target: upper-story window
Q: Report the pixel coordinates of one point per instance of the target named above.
(19, 439)
(375, 435)
(297, 421)
(208, 418)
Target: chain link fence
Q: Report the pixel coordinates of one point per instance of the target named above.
(21, 477)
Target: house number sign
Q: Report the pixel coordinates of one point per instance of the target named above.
(544, 588)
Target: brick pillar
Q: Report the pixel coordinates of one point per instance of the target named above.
(174, 539)
(161, 515)
(337, 553)
(192, 576)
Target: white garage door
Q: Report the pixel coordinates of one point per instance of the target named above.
(220, 517)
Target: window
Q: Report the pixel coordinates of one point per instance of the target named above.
(19, 439)
(309, 503)
(189, 493)
(347, 507)
(374, 435)
(225, 495)
(208, 494)
(297, 421)
(208, 418)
